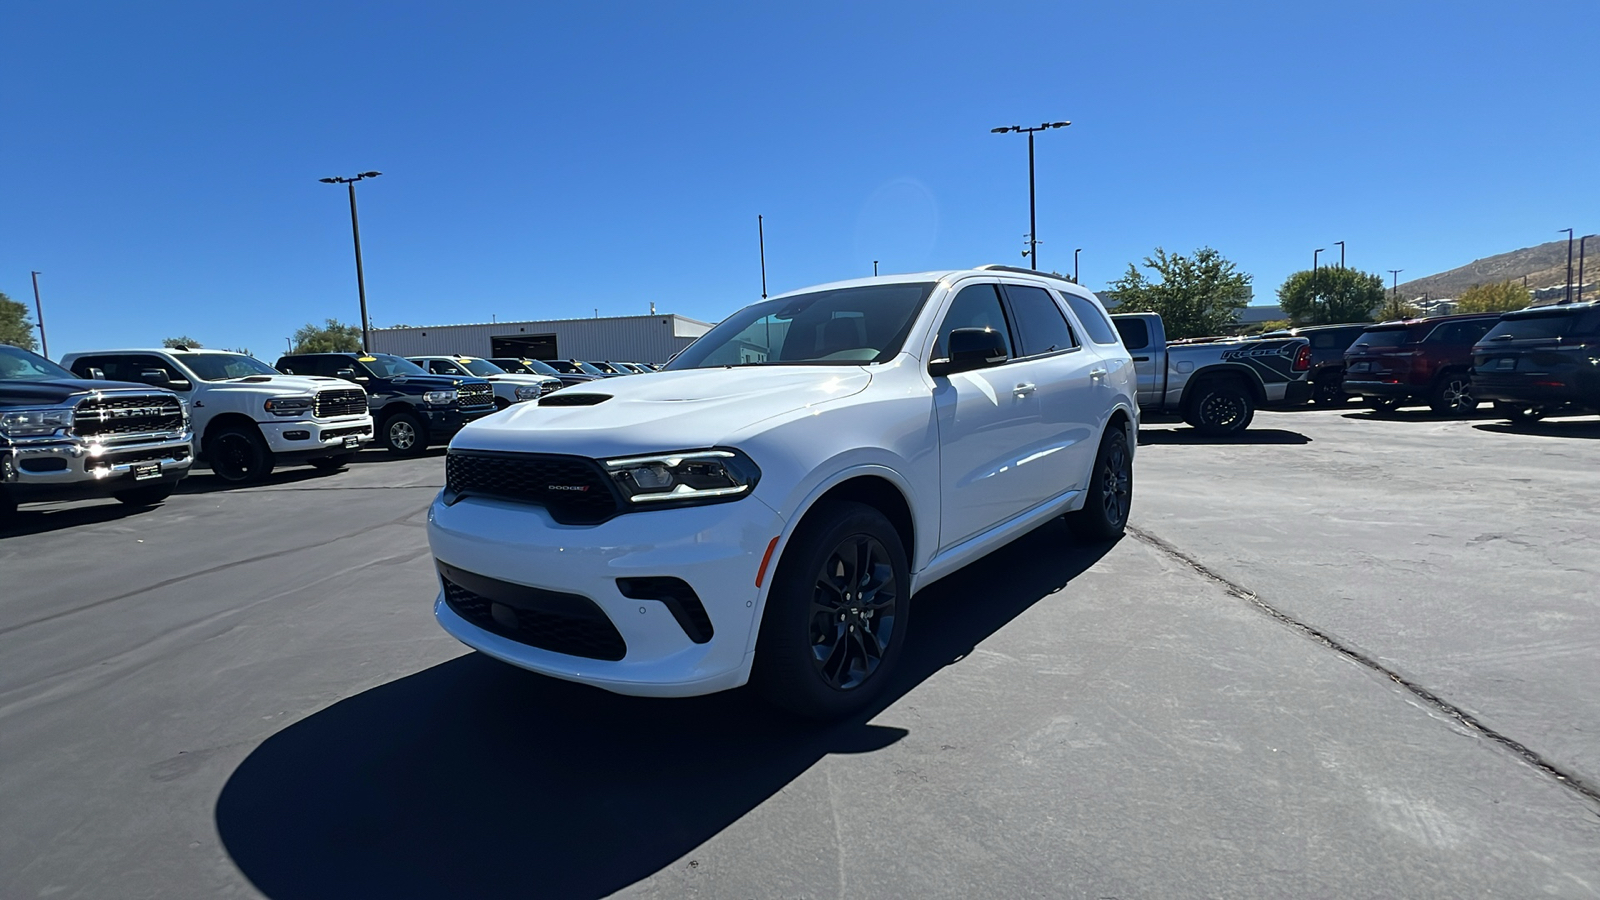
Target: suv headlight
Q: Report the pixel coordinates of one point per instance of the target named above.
(288, 406)
(34, 422)
(691, 476)
(528, 391)
(439, 398)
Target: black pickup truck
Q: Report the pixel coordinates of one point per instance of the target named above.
(411, 408)
(67, 438)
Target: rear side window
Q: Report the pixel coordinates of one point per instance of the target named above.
(977, 306)
(124, 368)
(1459, 333)
(1383, 337)
(1093, 318)
(1524, 327)
(1135, 332)
(1041, 325)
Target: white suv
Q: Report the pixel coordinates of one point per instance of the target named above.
(248, 417)
(766, 507)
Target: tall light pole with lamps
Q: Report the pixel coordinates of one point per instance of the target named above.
(44, 346)
(1075, 265)
(1569, 263)
(1033, 222)
(1395, 296)
(355, 229)
(1341, 253)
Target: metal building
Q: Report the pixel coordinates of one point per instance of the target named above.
(651, 339)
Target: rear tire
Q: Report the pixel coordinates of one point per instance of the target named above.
(1220, 409)
(1104, 515)
(146, 496)
(403, 434)
(1452, 396)
(239, 454)
(836, 614)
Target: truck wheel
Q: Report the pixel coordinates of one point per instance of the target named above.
(1105, 510)
(1220, 408)
(404, 435)
(1452, 396)
(332, 463)
(238, 454)
(835, 620)
(145, 496)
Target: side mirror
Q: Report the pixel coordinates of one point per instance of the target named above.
(179, 384)
(346, 374)
(155, 377)
(96, 374)
(971, 348)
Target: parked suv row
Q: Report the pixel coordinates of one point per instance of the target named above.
(1393, 364)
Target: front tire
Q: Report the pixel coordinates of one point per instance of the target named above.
(836, 615)
(145, 496)
(404, 434)
(1220, 409)
(1104, 516)
(238, 454)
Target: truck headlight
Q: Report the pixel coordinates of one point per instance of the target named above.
(528, 391)
(692, 476)
(439, 398)
(34, 422)
(288, 406)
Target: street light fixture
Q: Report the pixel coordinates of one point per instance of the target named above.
(355, 229)
(1033, 224)
(1341, 253)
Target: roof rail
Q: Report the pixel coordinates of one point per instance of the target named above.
(997, 267)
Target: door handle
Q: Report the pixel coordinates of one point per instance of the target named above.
(1097, 373)
(1027, 387)
(1141, 359)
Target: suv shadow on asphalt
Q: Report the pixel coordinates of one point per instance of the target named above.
(476, 779)
(1583, 430)
(1148, 436)
(1421, 414)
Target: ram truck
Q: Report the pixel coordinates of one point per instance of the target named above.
(1216, 386)
(413, 409)
(766, 508)
(67, 438)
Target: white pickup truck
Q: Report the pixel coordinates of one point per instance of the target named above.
(767, 506)
(247, 416)
(1216, 385)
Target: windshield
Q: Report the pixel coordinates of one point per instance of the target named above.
(481, 367)
(586, 368)
(1383, 337)
(609, 368)
(223, 366)
(17, 364)
(1525, 327)
(382, 365)
(844, 327)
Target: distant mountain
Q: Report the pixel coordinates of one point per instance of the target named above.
(1545, 266)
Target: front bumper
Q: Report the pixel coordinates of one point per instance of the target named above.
(444, 423)
(72, 469)
(314, 437)
(716, 549)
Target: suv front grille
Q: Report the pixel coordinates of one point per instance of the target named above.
(114, 415)
(573, 489)
(475, 394)
(550, 620)
(340, 402)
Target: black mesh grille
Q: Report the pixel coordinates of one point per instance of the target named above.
(550, 620)
(574, 489)
(119, 414)
(340, 402)
(476, 394)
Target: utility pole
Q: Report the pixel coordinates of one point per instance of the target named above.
(1033, 219)
(355, 229)
(1341, 253)
(1581, 244)
(1315, 294)
(1395, 296)
(43, 344)
(1075, 265)
(1569, 263)
(761, 235)
(874, 268)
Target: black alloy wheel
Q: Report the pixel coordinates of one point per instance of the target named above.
(1221, 409)
(1452, 396)
(836, 614)
(1104, 515)
(239, 455)
(146, 496)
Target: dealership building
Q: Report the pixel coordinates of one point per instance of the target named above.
(645, 339)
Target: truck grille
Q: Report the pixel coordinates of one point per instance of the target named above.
(475, 394)
(573, 489)
(550, 620)
(340, 402)
(113, 415)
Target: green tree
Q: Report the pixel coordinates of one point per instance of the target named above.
(1197, 295)
(1333, 296)
(181, 342)
(1502, 297)
(335, 337)
(1397, 307)
(15, 329)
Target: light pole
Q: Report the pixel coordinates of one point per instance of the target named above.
(761, 238)
(44, 346)
(1395, 296)
(1033, 223)
(355, 229)
(1581, 242)
(1569, 262)
(874, 268)
(1314, 295)
(1075, 265)
(1341, 253)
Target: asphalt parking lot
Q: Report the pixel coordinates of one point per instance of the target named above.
(1339, 657)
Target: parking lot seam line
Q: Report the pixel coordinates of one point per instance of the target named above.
(211, 571)
(1466, 719)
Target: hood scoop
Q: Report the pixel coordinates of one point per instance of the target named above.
(255, 379)
(566, 399)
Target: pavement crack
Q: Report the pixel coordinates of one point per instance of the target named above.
(1461, 716)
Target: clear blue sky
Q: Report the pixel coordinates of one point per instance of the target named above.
(159, 161)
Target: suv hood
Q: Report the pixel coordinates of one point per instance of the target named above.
(684, 410)
(49, 393)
